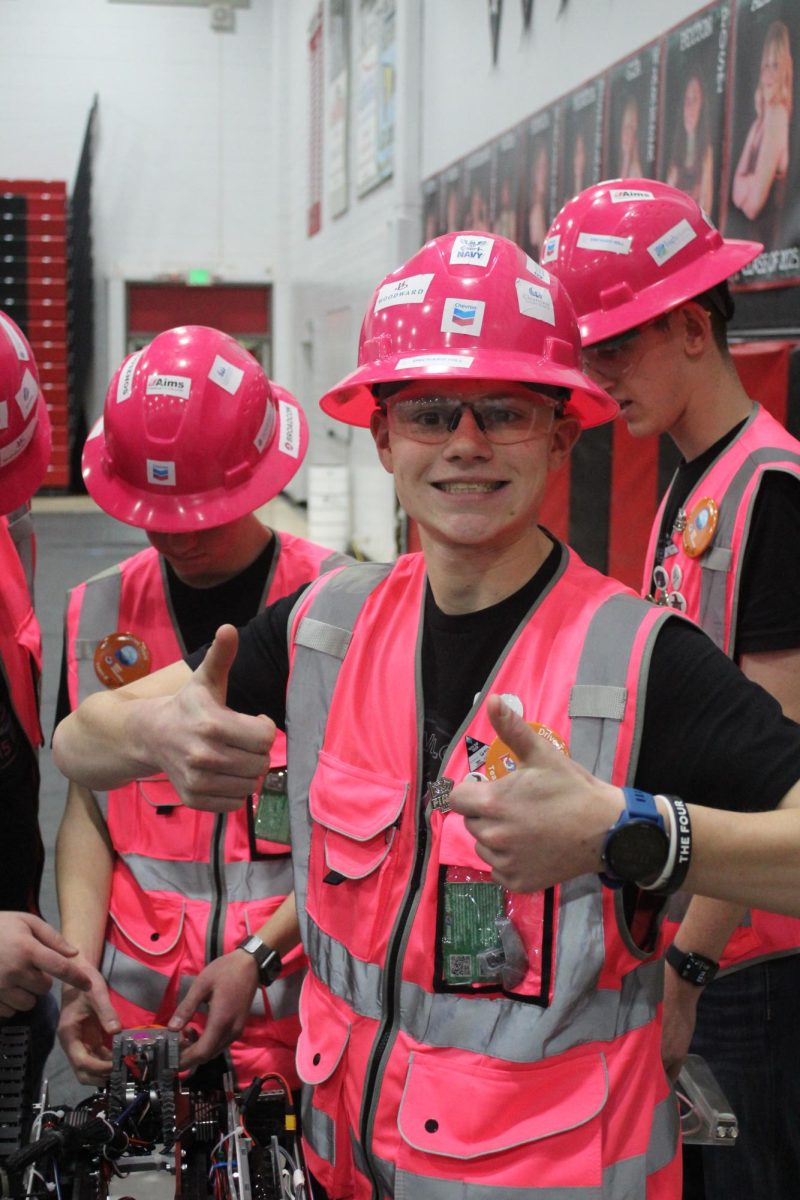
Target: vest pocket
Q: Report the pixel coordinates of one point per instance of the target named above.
(355, 814)
(321, 1064)
(512, 1124)
(148, 951)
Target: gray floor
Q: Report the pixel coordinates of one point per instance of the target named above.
(74, 541)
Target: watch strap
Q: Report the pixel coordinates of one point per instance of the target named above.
(267, 958)
(639, 806)
(694, 968)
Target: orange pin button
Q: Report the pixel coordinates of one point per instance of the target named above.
(121, 658)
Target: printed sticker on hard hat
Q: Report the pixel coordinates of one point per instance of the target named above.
(28, 394)
(473, 250)
(411, 290)
(169, 385)
(550, 248)
(3, 414)
(665, 247)
(501, 759)
(463, 316)
(96, 430)
(15, 448)
(160, 472)
(537, 271)
(604, 241)
(435, 362)
(288, 429)
(121, 658)
(620, 195)
(125, 381)
(16, 341)
(535, 301)
(226, 375)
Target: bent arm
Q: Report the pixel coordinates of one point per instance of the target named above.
(751, 189)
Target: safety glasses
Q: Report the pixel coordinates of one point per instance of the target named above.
(502, 420)
(614, 357)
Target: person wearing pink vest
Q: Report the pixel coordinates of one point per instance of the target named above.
(160, 896)
(648, 275)
(476, 737)
(33, 953)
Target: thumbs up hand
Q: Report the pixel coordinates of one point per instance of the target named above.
(214, 757)
(543, 823)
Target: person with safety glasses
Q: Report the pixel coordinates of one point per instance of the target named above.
(182, 915)
(476, 736)
(648, 274)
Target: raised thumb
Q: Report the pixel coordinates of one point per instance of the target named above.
(213, 670)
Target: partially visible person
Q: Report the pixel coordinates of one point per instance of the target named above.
(32, 952)
(194, 437)
(475, 733)
(759, 180)
(724, 549)
(477, 215)
(579, 162)
(505, 223)
(691, 161)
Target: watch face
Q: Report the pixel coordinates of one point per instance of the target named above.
(637, 851)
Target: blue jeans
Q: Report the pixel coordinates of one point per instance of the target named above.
(748, 1030)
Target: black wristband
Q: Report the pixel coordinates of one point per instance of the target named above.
(695, 968)
(683, 855)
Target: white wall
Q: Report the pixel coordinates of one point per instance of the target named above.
(202, 156)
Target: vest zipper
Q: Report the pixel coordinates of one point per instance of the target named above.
(215, 934)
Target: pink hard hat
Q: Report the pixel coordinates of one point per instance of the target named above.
(628, 250)
(193, 435)
(25, 436)
(469, 305)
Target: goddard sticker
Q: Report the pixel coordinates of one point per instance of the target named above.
(473, 250)
(125, 381)
(288, 429)
(535, 301)
(463, 316)
(665, 247)
(411, 290)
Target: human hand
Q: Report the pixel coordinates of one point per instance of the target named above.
(228, 985)
(213, 756)
(543, 823)
(679, 1019)
(88, 1020)
(33, 954)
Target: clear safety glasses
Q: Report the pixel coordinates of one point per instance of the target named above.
(501, 419)
(614, 357)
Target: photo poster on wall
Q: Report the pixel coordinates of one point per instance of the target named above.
(432, 208)
(338, 103)
(581, 140)
(538, 190)
(504, 206)
(477, 190)
(452, 197)
(631, 126)
(692, 108)
(761, 200)
(375, 93)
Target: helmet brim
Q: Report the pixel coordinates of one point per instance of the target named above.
(353, 400)
(25, 474)
(169, 512)
(675, 289)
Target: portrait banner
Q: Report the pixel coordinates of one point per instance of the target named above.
(539, 184)
(504, 203)
(477, 190)
(581, 139)
(629, 147)
(762, 193)
(432, 209)
(692, 108)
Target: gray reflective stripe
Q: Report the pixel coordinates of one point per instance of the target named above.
(664, 1134)
(713, 587)
(519, 1032)
(244, 881)
(412, 1187)
(133, 980)
(99, 611)
(593, 700)
(318, 635)
(20, 528)
(318, 1129)
(334, 559)
(311, 685)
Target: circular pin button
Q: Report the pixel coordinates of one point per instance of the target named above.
(121, 658)
(701, 525)
(501, 760)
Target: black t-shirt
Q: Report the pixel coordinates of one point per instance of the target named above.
(199, 612)
(768, 616)
(709, 734)
(21, 852)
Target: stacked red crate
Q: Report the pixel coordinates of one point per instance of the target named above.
(34, 291)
